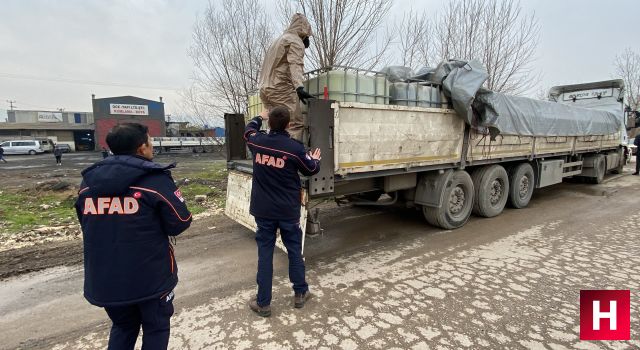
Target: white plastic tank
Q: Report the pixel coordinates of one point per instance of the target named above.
(414, 94)
(347, 86)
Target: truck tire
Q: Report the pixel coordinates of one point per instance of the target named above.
(491, 184)
(522, 182)
(457, 203)
(600, 167)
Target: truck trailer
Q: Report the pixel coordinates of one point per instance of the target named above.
(464, 156)
(187, 144)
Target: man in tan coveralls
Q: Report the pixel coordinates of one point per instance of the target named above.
(282, 73)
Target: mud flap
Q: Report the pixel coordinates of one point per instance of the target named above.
(238, 201)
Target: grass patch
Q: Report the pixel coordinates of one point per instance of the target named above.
(214, 171)
(25, 210)
(209, 180)
(22, 211)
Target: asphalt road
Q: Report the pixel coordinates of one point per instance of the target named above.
(382, 279)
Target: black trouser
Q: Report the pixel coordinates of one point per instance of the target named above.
(291, 235)
(58, 159)
(637, 161)
(154, 316)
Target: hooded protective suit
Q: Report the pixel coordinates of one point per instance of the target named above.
(282, 72)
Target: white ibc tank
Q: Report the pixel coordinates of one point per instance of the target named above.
(346, 86)
(414, 94)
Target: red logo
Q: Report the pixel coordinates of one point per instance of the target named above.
(604, 314)
(179, 195)
(137, 195)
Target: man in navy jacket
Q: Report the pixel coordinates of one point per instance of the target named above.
(276, 201)
(128, 207)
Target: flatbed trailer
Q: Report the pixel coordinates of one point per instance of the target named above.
(427, 158)
(439, 160)
(189, 144)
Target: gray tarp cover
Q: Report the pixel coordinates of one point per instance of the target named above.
(397, 73)
(511, 115)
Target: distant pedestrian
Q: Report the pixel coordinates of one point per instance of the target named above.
(57, 152)
(2, 154)
(105, 153)
(636, 142)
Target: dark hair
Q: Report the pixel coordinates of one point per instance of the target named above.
(127, 138)
(279, 118)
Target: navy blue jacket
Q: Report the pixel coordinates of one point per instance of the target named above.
(276, 189)
(128, 207)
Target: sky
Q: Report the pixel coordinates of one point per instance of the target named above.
(55, 54)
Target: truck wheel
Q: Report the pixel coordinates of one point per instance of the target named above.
(457, 203)
(522, 182)
(491, 184)
(600, 167)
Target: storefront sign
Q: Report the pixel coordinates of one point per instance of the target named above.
(49, 117)
(117, 108)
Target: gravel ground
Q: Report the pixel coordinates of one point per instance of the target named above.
(382, 279)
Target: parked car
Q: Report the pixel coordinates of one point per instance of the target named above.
(64, 147)
(22, 147)
(47, 144)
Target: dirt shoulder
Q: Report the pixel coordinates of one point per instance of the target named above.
(23, 260)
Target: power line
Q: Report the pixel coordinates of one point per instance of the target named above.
(27, 105)
(83, 82)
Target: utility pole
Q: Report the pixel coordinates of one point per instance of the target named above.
(11, 102)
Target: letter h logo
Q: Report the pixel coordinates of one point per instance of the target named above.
(604, 314)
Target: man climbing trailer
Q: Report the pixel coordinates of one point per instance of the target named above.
(281, 74)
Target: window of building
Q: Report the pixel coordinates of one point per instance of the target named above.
(78, 118)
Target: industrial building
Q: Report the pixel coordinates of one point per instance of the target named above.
(111, 111)
(87, 131)
(72, 128)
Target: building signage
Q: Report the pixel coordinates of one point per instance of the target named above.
(49, 117)
(585, 94)
(118, 108)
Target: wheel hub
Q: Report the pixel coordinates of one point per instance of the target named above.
(523, 187)
(496, 192)
(456, 200)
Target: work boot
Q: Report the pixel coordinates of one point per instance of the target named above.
(636, 173)
(300, 299)
(264, 311)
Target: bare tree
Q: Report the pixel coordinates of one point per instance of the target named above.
(228, 47)
(627, 66)
(346, 32)
(497, 33)
(542, 93)
(414, 41)
(195, 107)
